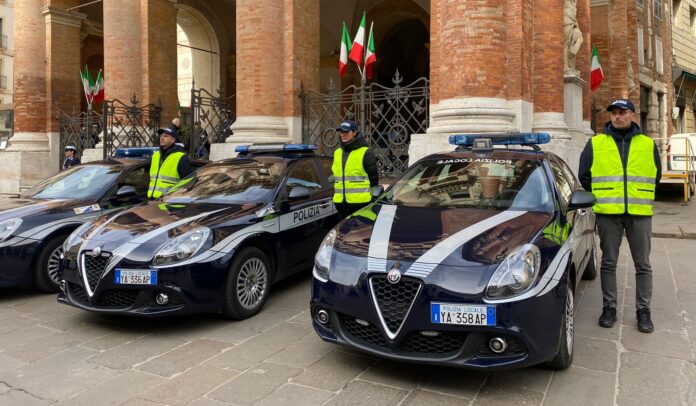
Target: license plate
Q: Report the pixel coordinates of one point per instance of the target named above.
(135, 277)
(462, 314)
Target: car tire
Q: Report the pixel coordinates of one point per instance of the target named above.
(46, 268)
(248, 283)
(590, 272)
(566, 342)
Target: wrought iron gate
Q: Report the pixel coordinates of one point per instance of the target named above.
(129, 125)
(215, 115)
(80, 130)
(387, 116)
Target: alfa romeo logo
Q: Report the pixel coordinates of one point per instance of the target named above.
(394, 275)
(96, 252)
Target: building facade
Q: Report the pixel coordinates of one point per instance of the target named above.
(6, 66)
(492, 65)
(684, 65)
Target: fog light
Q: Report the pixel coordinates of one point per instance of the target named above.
(162, 298)
(498, 345)
(322, 316)
(63, 285)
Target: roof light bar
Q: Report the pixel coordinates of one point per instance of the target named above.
(274, 148)
(134, 152)
(502, 138)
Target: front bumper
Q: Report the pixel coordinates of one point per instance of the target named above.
(194, 288)
(531, 327)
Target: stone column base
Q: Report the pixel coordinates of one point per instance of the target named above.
(471, 115)
(20, 170)
(254, 130)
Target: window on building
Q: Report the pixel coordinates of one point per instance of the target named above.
(676, 5)
(658, 9)
(644, 96)
(659, 58)
(641, 47)
(692, 19)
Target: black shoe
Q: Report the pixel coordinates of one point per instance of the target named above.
(608, 317)
(645, 325)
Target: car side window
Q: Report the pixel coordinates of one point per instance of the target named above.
(138, 178)
(304, 174)
(327, 166)
(564, 187)
(569, 175)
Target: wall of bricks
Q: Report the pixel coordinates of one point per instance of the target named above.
(122, 55)
(548, 56)
(583, 61)
(520, 16)
(619, 49)
(600, 38)
(301, 49)
(30, 67)
(158, 56)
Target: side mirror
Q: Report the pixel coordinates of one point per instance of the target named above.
(581, 199)
(126, 191)
(298, 193)
(377, 191)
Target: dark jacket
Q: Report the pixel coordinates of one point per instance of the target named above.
(184, 167)
(623, 143)
(68, 162)
(369, 160)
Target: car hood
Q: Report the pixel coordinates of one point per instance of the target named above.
(20, 208)
(437, 236)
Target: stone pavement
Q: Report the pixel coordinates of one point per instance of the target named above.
(672, 218)
(54, 354)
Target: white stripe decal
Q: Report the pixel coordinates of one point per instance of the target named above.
(379, 240)
(427, 262)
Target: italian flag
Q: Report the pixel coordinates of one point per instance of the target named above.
(357, 50)
(596, 73)
(345, 49)
(98, 89)
(87, 86)
(370, 57)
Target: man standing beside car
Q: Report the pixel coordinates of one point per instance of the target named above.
(354, 170)
(621, 166)
(169, 164)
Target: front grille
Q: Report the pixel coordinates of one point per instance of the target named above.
(443, 343)
(94, 267)
(78, 294)
(118, 298)
(367, 333)
(394, 300)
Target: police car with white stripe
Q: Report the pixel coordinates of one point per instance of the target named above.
(215, 243)
(34, 225)
(471, 258)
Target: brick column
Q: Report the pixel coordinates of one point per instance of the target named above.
(548, 68)
(122, 57)
(618, 56)
(584, 58)
(467, 67)
(260, 72)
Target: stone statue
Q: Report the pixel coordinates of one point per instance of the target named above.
(572, 36)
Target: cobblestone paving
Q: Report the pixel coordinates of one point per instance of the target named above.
(54, 354)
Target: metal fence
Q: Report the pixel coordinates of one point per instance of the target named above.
(214, 116)
(80, 130)
(387, 116)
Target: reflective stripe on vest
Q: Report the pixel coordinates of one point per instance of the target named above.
(354, 184)
(162, 178)
(617, 191)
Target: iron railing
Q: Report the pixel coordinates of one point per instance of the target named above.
(387, 116)
(80, 130)
(215, 114)
(130, 125)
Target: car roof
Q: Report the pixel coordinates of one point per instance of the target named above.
(496, 153)
(272, 156)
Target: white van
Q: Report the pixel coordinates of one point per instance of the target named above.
(677, 151)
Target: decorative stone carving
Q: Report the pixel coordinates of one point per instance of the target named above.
(572, 36)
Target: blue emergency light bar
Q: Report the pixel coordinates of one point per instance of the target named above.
(275, 148)
(502, 138)
(139, 152)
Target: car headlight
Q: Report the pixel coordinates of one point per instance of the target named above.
(182, 247)
(516, 273)
(8, 227)
(76, 237)
(323, 258)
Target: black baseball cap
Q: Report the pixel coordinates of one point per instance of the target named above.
(623, 104)
(347, 125)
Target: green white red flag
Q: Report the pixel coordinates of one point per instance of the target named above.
(87, 86)
(370, 56)
(596, 73)
(98, 89)
(358, 49)
(345, 49)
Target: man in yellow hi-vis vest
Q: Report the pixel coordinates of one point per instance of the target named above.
(354, 170)
(168, 165)
(621, 167)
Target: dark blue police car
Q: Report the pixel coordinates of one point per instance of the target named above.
(215, 243)
(470, 259)
(34, 225)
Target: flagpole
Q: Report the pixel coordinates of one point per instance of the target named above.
(365, 49)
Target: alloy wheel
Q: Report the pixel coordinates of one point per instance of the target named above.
(252, 283)
(53, 266)
(570, 320)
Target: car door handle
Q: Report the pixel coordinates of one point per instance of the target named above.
(324, 205)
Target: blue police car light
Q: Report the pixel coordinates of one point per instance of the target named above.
(275, 148)
(502, 139)
(135, 152)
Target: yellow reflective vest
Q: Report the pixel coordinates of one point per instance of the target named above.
(620, 190)
(353, 186)
(163, 177)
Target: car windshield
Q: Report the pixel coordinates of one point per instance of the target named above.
(82, 182)
(474, 183)
(240, 181)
